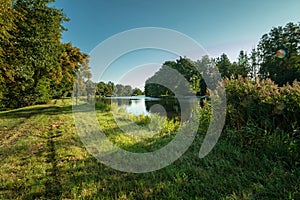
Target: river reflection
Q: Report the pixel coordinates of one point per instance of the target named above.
(171, 107)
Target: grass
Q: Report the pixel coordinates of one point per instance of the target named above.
(41, 157)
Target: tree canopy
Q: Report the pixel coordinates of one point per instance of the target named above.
(35, 64)
(111, 89)
(279, 52)
(277, 57)
(190, 71)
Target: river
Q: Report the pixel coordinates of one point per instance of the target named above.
(170, 107)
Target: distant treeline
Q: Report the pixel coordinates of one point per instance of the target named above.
(111, 89)
(277, 56)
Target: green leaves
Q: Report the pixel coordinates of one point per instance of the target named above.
(223, 63)
(232, 70)
(263, 103)
(191, 78)
(35, 65)
(262, 112)
(280, 54)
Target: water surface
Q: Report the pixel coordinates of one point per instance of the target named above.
(170, 107)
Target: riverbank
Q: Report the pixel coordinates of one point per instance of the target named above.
(42, 157)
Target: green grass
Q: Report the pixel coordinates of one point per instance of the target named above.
(41, 157)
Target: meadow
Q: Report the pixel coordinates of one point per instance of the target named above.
(42, 157)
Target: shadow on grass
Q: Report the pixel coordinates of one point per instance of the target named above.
(27, 112)
(30, 111)
(224, 173)
(53, 185)
(228, 172)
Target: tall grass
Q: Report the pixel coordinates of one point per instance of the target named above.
(42, 157)
(264, 115)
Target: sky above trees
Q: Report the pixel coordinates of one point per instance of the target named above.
(219, 26)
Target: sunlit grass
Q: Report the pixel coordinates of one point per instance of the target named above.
(42, 157)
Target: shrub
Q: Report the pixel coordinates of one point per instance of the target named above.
(264, 115)
(263, 103)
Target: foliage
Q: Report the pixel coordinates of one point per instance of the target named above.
(101, 106)
(263, 102)
(242, 67)
(187, 68)
(277, 57)
(110, 89)
(8, 18)
(267, 109)
(205, 115)
(35, 65)
(105, 89)
(224, 65)
(137, 92)
(156, 123)
(279, 52)
(254, 64)
(72, 63)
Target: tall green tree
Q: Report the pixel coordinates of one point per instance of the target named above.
(183, 66)
(153, 89)
(35, 65)
(110, 89)
(36, 48)
(73, 66)
(8, 17)
(191, 79)
(243, 65)
(254, 64)
(279, 51)
(101, 89)
(224, 65)
(137, 92)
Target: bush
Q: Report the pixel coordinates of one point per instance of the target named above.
(263, 103)
(264, 115)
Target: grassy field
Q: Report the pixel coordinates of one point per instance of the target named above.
(42, 157)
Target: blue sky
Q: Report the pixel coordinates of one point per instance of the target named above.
(221, 26)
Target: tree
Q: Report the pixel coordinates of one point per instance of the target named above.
(279, 51)
(191, 81)
(36, 51)
(240, 68)
(153, 89)
(224, 65)
(6, 21)
(157, 85)
(254, 64)
(35, 65)
(119, 89)
(110, 89)
(101, 89)
(8, 17)
(73, 63)
(243, 66)
(137, 92)
(127, 90)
